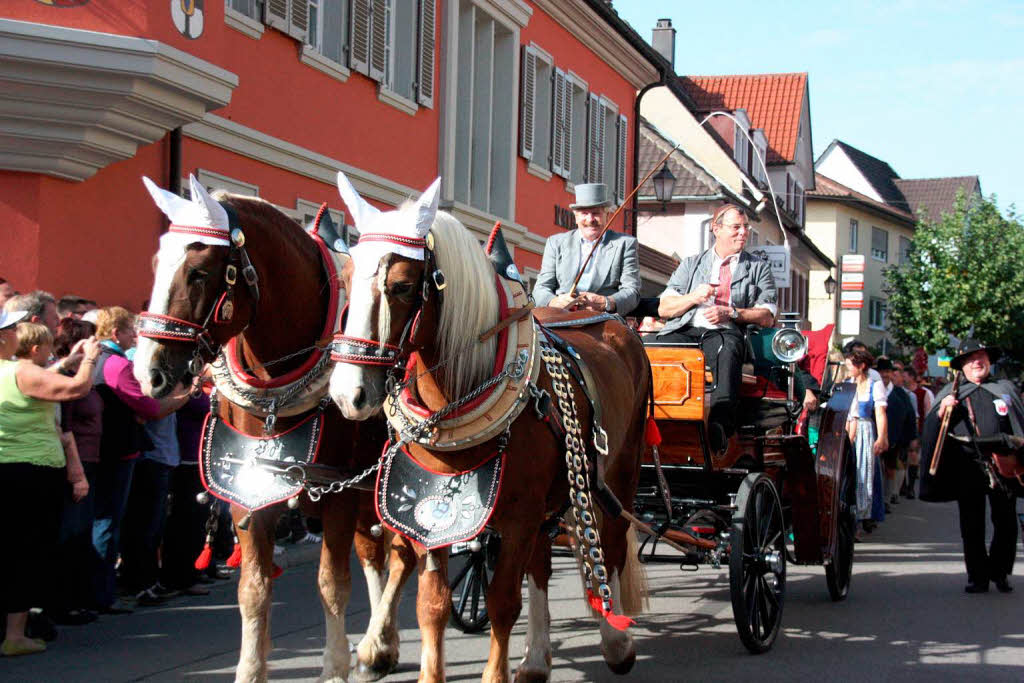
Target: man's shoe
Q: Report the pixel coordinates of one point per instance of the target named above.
(162, 591)
(1003, 586)
(117, 607)
(75, 617)
(148, 598)
(976, 588)
(195, 589)
(40, 626)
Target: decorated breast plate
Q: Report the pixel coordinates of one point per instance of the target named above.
(433, 509)
(247, 470)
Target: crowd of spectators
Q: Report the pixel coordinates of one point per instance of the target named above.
(103, 481)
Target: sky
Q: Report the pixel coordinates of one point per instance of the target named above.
(935, 88)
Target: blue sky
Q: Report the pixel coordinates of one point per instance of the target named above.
(934, 88)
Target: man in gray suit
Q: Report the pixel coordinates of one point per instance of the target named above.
(723, 289)
(611, 280)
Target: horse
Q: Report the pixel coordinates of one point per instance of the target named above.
(425, 299)
(238, 280)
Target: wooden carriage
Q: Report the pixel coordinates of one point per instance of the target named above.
(772, 495)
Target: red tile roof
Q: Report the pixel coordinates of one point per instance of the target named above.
(656, 260)
(772, 101)
(826, 188)
(930, 198)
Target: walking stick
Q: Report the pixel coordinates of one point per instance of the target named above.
(944, 427)
(608, 223)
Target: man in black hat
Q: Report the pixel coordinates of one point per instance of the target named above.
(982, 407)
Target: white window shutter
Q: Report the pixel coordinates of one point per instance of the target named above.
(359, 37)
(277, 14)
(527, 102)
(558, 123)
(595, 124)
(378, 39)
(299, 24)
(620, 162)
(425, 66)
(568, 129)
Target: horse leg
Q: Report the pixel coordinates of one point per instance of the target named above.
(378, 651)
(254, 588)
(536, 664)
(338, 512)
(617, 646)
(433, 607)
(505, 597)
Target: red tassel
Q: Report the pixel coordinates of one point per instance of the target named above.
(235, 559)
(652, 435)
(616, 621)
(203, 561)
(276, 572)
(492, 237)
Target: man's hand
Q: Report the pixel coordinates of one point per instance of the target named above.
(702, 293)
(718, 315)
(947, 403)
(810, 401)
(563, 301)
(594, 302)
(79, 489)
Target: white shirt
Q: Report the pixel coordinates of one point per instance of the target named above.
(587, 278)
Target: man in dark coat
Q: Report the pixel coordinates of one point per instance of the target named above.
(982, 407)
(902, 424)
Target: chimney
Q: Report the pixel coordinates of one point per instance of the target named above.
(663, 39)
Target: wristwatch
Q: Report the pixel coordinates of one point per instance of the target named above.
(607, 304)
(734, 314)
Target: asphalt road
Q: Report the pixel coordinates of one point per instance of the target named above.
(907, 619)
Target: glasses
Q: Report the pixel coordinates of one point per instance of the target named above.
(736, 227)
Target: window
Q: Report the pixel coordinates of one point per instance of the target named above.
(755, 238)
(740, 144)
(576, 116)
(761, 145)
(905, 245)
(249, 8)
(536, 103)
(400, 60)
(853, 235)
(798, 202)
(215, 181)
(392, 42)
(326, 32)
(607, 136)
(876, 313)
(484, 130)
(288, 16)
(879, 244)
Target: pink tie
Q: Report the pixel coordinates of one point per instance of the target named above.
(722, 294)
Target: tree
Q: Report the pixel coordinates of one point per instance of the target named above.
(964, 269)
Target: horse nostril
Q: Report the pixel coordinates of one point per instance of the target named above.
(358, 398)
(156, 379)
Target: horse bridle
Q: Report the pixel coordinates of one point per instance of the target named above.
(359, 351)
(168, 328)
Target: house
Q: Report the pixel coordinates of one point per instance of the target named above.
(862, 208)
(510, 102)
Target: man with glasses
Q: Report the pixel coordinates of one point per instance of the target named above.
(710, 298)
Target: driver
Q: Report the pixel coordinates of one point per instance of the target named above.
(721, 289)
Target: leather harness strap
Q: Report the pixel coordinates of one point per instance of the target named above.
(514, 316)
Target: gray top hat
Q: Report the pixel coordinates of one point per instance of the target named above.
(591, 195)
(11, 318)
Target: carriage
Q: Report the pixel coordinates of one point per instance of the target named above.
(783, 491)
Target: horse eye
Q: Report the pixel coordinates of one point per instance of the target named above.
(196, 275)
(400, 289)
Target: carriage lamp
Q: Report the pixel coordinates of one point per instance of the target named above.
(664, 184)
(789, 345)
(830, 285)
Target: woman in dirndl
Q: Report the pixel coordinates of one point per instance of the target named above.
(868, 430)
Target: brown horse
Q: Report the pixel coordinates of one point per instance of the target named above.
(238, 276)
(393, 280)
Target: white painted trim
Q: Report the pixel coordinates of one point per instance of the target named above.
(391, 98)
(83, 100)
(538, 170)
(312, 57)
(609, 103)
(596, 34)
(247, 26)
(219, 181)
(515, 14)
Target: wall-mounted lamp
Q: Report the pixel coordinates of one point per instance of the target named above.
(830, 285)
(664, 184)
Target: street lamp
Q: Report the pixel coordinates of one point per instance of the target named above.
(664, 183)
(830, 285)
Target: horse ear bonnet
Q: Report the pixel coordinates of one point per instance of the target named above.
(501, 259)
(324, 227)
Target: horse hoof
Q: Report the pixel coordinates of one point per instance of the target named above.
(373, 672)
(624, 667)
(523, 676)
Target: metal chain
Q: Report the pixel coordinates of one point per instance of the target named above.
(316, 492)
(274, 404)
(578, 465)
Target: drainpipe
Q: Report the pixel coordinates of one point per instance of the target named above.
(174, 162)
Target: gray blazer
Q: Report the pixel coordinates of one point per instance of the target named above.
(752, 284)
(616, 274)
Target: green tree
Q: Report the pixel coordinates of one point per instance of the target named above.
(964, 269)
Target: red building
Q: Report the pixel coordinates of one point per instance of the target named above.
(510, 102)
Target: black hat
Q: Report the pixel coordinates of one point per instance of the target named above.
(884, 363)
(848, 346)
(969, 346)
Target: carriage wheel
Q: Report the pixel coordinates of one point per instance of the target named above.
(757, 563)
(471, 573)
(839, 571)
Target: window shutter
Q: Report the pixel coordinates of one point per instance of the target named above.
(558, 123)
(299, 26)
(378, 39)
(595, 126)
(527, 102)
(425, 73)
(620, 161)
(277, 14)
(568, 128)
(359, 37)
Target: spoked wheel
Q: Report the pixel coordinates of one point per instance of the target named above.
(471, 571)
(757, 563)
(839, 571)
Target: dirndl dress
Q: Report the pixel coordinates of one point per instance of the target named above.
(863, 455)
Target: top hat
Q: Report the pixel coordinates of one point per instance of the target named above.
(969, 346)
(590, 196)
(11, 318)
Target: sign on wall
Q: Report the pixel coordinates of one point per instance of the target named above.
(778, 257)
(849, 322)
(188, 17)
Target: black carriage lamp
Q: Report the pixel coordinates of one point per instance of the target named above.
(664, 184)
(830, 285)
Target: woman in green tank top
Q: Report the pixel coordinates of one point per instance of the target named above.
(31, 473)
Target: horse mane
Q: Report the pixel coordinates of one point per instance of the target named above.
(250, 208)
(470, 306)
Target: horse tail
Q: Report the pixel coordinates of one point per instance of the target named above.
(633, 581)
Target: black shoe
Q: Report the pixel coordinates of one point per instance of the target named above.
(40, 626)
(976, 588)
(162, 591)
(910, 495)
(149, 598)
(117, 607)
(75, 617)
(1003, 586)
